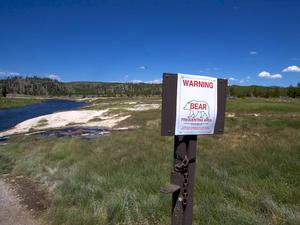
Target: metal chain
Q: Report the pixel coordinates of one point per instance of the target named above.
(183, 169)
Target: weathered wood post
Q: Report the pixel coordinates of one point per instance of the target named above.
(191, 105)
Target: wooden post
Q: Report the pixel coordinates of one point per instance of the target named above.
(183, 174)
(184, 146)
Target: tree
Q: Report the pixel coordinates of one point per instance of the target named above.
(4, 91)
(291, 92)
(267, 93)
(232, 91)
(254, 92)
(275, 92)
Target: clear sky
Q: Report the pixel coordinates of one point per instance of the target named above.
(250, 42)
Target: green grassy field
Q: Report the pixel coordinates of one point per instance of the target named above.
(249, 175)
(6, 103)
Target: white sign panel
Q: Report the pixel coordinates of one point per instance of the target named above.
(196, 109)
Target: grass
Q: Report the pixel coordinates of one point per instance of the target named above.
(42, 123)
(6, 103)
(249, 175)
(263, 106)
(121, 103)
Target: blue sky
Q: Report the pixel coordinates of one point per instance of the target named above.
(250, 42)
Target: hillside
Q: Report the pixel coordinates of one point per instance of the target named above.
(48, 87)
(113, 89)
(32, 86)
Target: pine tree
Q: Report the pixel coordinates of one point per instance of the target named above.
(4, 91)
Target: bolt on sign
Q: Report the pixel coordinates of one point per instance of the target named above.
(191, 105)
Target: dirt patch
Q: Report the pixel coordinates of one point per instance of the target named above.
(33, 195)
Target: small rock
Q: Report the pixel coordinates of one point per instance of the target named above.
(230, 115)
(5, 175)
(257, 134)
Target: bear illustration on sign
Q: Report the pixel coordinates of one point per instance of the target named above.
(198, 109)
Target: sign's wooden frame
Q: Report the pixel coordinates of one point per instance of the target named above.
(169, 100)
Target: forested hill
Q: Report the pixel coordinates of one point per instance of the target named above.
(32, 86)
(49, 87)
(262, 91)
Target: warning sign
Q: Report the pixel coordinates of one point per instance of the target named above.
(196, 108)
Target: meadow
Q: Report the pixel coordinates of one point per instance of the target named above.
(249, 175)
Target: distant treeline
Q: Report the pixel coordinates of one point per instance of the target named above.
(265, 92)
(49, 87)
(32, 86)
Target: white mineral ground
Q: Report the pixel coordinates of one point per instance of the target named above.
(86, 118)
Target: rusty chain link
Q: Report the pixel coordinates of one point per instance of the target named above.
(182, 168)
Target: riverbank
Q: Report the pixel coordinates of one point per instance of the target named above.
(13, 116)
(86, 118)
(7, 103)
(107, 115)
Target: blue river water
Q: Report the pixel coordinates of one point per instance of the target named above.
(11, 117)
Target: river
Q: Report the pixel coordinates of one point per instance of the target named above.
(11, 117)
